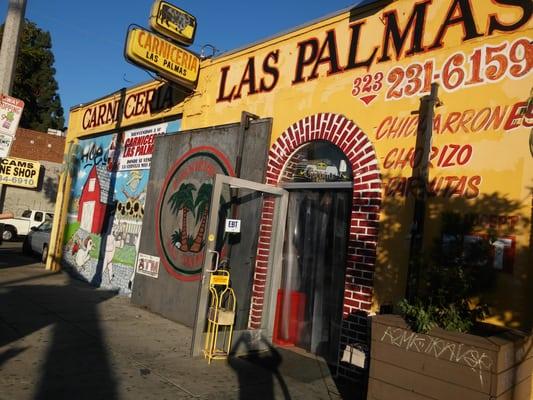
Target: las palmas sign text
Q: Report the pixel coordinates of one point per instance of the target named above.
(162, 57)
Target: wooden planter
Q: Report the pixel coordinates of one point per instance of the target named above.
(447, 365)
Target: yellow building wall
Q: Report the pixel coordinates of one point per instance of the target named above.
(481, 130)
(481, 157)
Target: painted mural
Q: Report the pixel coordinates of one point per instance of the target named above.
(184, 208)
(107, 206)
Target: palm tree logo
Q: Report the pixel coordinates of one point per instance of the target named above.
(183, 200)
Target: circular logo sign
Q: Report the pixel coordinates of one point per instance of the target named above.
(183, 210)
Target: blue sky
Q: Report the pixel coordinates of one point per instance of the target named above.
(88, 36)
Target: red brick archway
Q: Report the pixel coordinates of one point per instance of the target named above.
(361, 258)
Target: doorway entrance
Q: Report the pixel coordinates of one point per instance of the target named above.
(310, 298)
(311, 294)
(236, 212)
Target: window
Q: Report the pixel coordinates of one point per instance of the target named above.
(26, 214)
(38, 216)
(49, 216)
(92, 183)
(46, 226)
(318, 161)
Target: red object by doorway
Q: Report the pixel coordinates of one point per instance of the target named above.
(295, 318)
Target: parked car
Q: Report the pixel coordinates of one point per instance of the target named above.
(20, 226)
(38, 240)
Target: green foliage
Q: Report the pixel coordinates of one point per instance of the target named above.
(125, 255)
(458, 271)
(95, 252)
(183, 198)
(203, 198)
(70, 230)
(176, 237)
(34, 81)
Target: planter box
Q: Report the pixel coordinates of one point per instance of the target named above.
(447, 365)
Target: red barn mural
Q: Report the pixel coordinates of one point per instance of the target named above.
(94, 199)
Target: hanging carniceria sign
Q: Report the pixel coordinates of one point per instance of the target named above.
(173, 22)
(152, 52)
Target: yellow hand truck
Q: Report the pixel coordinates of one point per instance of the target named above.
(220, 317)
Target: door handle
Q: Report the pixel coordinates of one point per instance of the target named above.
(216, 261)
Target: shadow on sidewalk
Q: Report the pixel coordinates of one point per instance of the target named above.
(11, 256)
(268, 382)
(76, 364)
(259, 383)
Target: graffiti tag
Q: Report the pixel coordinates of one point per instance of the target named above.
(94, 155)
(476, 359)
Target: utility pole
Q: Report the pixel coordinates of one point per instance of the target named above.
(10, 43)
(420, 186)
(16, 10)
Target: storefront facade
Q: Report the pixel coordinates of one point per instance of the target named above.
(339, 100)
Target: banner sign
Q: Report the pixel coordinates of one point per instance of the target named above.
(148, 265)
(5, 144)
(173, 22)
(19, 172)
(138, 146)
(172, 62)
(10, 112)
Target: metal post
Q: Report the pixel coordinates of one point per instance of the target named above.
(420, 186)
(8, 56)
(10, 43)
(245, 124)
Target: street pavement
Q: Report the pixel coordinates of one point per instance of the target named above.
(63, 339)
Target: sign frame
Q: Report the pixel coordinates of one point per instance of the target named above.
(153, 261)
(232, 225)
(11, 178)
(11, 109)
(158, 19)
(131, 54)
(5, 144)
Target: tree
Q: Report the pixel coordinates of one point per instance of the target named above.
(182, 200)
(35, 82)
(202, 205)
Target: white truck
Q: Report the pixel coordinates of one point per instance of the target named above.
(21, 225)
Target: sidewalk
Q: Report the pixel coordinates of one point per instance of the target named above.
(62, 339)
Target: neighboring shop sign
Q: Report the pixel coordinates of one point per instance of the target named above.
(19, 172)
(138, 146)
(172, 62)
(5, 144)
(173, 22)
(10, 112)
(148, 265)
